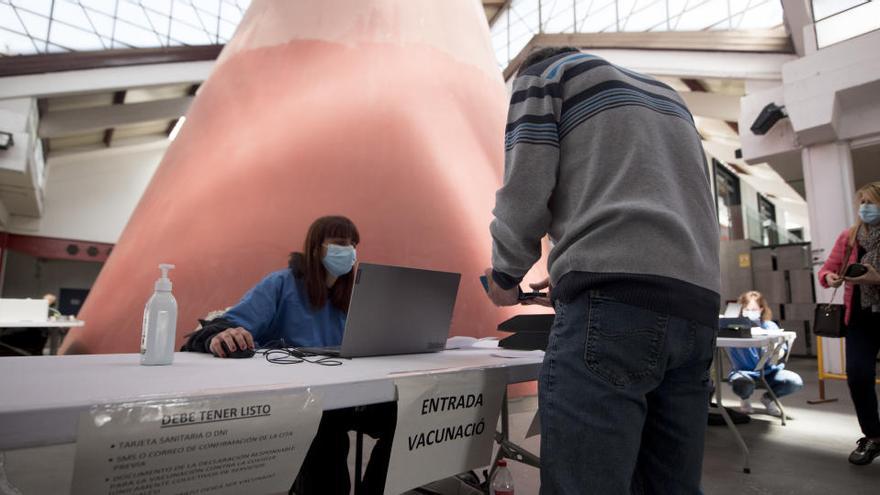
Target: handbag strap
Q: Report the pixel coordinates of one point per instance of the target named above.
(849, 248)
(843, 265)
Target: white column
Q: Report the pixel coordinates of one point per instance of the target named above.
(828, 176)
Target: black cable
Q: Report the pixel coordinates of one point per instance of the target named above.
(278, 352)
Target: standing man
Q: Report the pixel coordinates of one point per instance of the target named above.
(609, 164)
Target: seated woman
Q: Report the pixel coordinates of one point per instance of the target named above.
(304, 306)
(743, 375)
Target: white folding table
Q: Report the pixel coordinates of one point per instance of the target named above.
(771, 343)
(45, 395)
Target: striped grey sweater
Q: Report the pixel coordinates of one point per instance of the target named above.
(609, 163)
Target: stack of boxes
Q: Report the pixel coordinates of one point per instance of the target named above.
(784, 274)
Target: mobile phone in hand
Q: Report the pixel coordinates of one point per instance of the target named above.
(523, 296)
(855, 270)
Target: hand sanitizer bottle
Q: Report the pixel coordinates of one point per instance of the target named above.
(160, 323)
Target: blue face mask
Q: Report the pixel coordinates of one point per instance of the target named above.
(752, 315)
(339, 259)
(869, 213)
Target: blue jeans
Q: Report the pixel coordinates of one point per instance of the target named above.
(623, 394)
(782, 382)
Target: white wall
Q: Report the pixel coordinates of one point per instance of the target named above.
(91, 195)
(27, 276)
(831, 95)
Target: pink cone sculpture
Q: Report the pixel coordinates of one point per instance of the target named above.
(390, 112)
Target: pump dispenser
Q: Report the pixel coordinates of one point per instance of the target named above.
(160, 323)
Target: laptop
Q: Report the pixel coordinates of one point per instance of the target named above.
(738, 328)
(24, 310)
(396, 310)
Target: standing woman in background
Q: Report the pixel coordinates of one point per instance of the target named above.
(862, 301)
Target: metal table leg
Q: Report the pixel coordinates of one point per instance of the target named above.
(508, 449)
(773, 396)
(14, 349)
(768, 354)
(54, 340)
(358, 462)
(730, 425)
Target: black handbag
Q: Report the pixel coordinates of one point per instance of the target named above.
(829, 319)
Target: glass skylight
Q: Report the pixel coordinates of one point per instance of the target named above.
(840, 20)
(517, 23)
(29, 27)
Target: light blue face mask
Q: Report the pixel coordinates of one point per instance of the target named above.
(869, 213)
(752, 315)
(339, 259)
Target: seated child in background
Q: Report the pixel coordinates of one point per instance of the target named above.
(742, 375)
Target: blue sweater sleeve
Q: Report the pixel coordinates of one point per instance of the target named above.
(257, 307)
(746, 359)
(770, 325)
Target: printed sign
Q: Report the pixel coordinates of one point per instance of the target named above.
(745, 260)
(445, 426)
(252, 444)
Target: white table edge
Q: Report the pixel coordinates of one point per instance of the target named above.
(58, 425)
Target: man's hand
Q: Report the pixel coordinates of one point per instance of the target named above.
(539, 286)
(870, 278)
(500, 296)
(235, 338)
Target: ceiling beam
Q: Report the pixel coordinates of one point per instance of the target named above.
(798, 14)
(499, 8)
(738, 48)
(706, 103)
(110, 79)
(83, 120)
(58, 62)
(694, 84)
(758, 41)
(118, 99)
(191, 92)
(712, 105)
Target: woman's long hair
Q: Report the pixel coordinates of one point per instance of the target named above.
(753, 295)
(871, 192)
(308, 265)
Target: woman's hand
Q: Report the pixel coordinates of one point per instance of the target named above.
(833, 280)
(872, 277)
(540, 301)
(235, 338)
